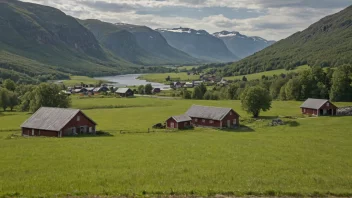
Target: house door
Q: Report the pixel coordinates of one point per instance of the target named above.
(234, 122)
(32, 132)
(172, 125)
(229, 123)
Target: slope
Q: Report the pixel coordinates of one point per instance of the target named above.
(242, 45)
(51, 40)
(198, 43)
(326, 43)
(124, 44)
(154, 43)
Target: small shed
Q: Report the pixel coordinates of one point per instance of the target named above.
(179, 122)
(124, 92)
(318, 107)
(58, 122)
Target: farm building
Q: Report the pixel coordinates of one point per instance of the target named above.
(156, 90)
(318, 107)
(216, 117)
(125, 92)
(101, 89)
(58, 122)
(179, 122)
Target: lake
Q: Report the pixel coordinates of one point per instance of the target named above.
(131, 80)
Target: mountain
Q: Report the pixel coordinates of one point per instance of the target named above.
(198, 43)
(326, 43)
(242, 45)
(40, 40)
(137, 44)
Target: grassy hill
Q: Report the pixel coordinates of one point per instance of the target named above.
(326, 43)
(50, 42)
(308, 157)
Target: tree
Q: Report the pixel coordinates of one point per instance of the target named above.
(203, 88)
(4, 98)
(232, 91)
(13, 100)
(47, 95)
(141, 89)
(148, 89)
(256, 99)
(341, 90)
(197, 93)
(186, 94)
(293, 89)
(9, 85)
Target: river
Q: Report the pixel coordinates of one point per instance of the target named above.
(131, 80)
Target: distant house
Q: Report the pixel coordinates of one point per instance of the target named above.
(197, 83)
(101, 89)
(318, 107)
(90, 89)
(156, 90)
(81, 90)
(58, 122)
(216, 117)
(179, 122)
(176, 85)
(124, 92)
(189, 85)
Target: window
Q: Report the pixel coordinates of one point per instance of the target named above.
(234, 122)
(186, 123)
(211, 121)
(196, 120)
(327, 104)
(230, 112)
(203, 121)
(78, 118)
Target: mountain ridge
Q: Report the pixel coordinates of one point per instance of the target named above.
(198, 43)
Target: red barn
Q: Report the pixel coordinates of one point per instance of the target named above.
(318, 107)
(216, 117)
(179, 122)
(58, 122)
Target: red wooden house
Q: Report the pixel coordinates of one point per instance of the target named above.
(318, 107)
(58, 122)
(179, 122)
(216, 117)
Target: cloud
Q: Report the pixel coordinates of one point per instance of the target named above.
(270, 19)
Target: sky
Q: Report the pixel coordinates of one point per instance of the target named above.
(270, 19)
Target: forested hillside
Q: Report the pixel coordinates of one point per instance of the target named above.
(40, 40)
(327, 43)
(135, 47)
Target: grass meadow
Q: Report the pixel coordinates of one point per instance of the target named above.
(76, 80)
(268, 73)
(308, 157)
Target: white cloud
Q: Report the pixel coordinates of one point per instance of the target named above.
(278, 19)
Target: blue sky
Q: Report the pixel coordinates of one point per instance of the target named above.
(270, 19)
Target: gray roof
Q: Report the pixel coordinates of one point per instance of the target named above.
(182, 118)
(312, 103)
(213, 113)
(51, 119)
(122, 90)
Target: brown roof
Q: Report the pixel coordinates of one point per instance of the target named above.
(212, 113)
(51, 119)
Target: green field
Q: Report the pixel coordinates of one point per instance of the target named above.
(76, 80)
(307, 157)
(268, 73)
(160, 78)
